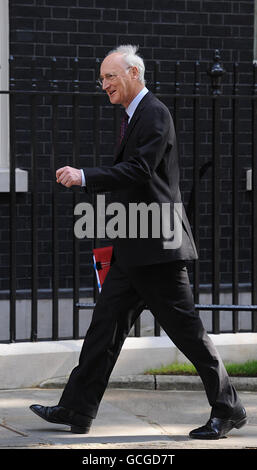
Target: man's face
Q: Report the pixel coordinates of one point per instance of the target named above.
(119, 81)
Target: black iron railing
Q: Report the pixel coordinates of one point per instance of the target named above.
(213, 99)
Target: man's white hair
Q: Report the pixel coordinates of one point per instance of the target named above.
(132, 59)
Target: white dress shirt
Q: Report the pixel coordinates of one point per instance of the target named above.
(130, 111)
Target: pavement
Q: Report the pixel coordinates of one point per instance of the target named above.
(131, 416)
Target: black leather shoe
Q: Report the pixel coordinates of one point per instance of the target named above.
(217, 428)
(80, 424)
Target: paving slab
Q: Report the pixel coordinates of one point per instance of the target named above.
(127, 419)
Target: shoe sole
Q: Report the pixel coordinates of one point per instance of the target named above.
(241, 423)
(79, 429)
(74, 428)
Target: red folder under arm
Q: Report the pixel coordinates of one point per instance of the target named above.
(102, 262)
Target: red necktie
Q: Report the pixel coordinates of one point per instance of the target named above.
(123, 127)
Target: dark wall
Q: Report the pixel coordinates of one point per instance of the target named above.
(165, 29)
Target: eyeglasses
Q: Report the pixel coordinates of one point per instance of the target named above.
(110, 77)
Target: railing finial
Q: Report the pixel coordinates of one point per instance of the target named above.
(216, 72)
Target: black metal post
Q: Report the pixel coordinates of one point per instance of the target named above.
(157, 85)
(13, 222)
(235, 206)
(55, 247)
(254, 197)
(157, 328)
(96, 243)
(177, 100)
(75, 145)
(196, 153)
(34, 211)
(216, 72)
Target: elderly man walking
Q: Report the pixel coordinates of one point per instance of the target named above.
(143, 271)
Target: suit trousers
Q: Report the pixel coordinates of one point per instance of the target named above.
(165, 290)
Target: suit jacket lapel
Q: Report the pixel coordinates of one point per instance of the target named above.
(131, 125)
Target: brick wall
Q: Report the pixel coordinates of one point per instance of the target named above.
(166, 31)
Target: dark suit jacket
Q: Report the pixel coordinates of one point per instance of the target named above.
(145, 169)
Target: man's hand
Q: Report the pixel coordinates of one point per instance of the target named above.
(68, 176)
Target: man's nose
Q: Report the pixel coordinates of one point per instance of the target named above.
(105, 84)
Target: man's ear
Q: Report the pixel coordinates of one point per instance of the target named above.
(135, 72)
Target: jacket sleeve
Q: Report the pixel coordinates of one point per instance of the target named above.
(151, 145)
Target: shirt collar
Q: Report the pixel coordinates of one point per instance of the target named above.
(133, 105)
